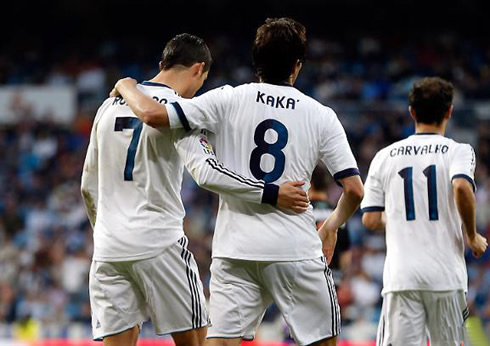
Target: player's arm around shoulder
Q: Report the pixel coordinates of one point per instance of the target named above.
(143, 106)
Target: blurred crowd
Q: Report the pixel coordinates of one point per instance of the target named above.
(45, 237)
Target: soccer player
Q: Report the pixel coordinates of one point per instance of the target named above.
(131, 186)
(273, 132)
(421, 190)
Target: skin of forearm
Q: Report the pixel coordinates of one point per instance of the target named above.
(148, 110)
(465, 202)
(347, 205)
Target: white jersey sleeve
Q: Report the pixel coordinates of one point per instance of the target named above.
(205, 111)
(335, 150)
(200, 161)
(90, 181)
(463, 163)
(374, 195)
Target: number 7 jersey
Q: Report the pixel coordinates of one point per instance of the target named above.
(411, 181)
(132, 180)
(276, 134)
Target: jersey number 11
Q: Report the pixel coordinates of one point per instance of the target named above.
(430, 173)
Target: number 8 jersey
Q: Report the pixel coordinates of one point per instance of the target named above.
(411, 181)
(276, 134)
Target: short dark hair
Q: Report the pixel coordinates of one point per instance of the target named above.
(186, 50)
(278, 45)
(430, 98)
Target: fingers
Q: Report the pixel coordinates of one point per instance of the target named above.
(302, 204)
(299, 209)
(296, 183)
(114, 93)
(301, 199)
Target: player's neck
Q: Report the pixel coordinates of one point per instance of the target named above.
(173, 79)
(430, 128)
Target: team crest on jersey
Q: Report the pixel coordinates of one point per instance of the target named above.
(206, 146)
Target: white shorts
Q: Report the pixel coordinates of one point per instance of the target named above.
(304, 292)
(166, 289)
(408, 317)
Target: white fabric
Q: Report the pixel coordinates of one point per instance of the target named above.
(408, 317)
(303, 291)
(274, 133)
(132, 177)
(165, 288)
(425, 246)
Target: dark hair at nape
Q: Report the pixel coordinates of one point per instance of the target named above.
(186, 50)
(430, 99)
(279, 43)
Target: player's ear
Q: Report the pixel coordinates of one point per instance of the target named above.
(449, 112)
(412, 113)
(198, 69)
(160, 65)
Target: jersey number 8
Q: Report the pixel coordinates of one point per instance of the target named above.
(274, 149)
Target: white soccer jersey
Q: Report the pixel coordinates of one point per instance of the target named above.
(133, 175)
(273, 133)
(411, 181)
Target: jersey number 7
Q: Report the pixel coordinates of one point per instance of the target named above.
(129, 123)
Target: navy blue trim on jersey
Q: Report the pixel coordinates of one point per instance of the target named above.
(271, 193)
(464, 176)
(425, 133)
(349, 172)
(155, 84)
(371, 209)
(180, 113)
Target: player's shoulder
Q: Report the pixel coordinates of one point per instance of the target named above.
(458, 148)
(324, 111)
(103, 108)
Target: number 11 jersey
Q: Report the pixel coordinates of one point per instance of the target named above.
(273, 133)
(411, 181)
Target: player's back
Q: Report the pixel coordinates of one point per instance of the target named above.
(277, 134)
(425, 248)
(139, 209)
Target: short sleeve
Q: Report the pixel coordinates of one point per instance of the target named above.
(335, 150)
(463, 163)
(205, 111)
(374, 194)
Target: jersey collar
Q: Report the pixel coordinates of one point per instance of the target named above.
(155, 84)
(425, 133)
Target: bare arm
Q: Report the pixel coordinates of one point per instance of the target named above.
(465, 202)
(211, 174)
(148, 110)
(347, 205)
(374, 220)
